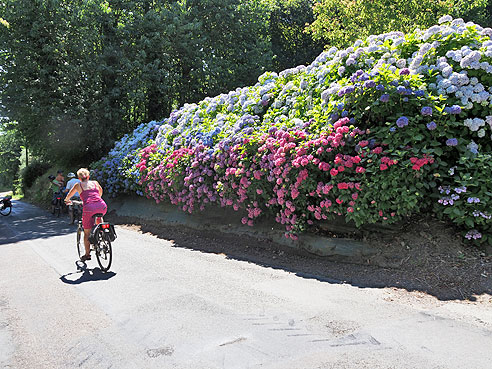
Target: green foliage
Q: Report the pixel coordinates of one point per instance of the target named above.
(78, 74)
(32, 172)
(466, 196)
(339, 22)
(10, 152)
(291, 44)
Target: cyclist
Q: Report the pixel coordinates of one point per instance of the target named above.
(60, 178)
(72, 181)
(55, 184)
(56, 187)
(90, 193)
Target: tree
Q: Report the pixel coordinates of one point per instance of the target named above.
(44, 47)
(340, 22)
(10, 151)
(234, 46)
(291, 44)
(78, 74)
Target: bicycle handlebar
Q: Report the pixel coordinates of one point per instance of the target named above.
(75, 202)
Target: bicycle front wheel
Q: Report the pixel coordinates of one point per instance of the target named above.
(104, 252)
(5, 210)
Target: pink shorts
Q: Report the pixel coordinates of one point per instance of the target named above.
(89, 210)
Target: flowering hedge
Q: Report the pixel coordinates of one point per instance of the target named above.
(377, 132)
(118, 169)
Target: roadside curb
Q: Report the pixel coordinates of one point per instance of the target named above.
(226, 220)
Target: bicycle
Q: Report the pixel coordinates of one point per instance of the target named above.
(56, 203)
(6, 205)
(75, 211)
(100, 238)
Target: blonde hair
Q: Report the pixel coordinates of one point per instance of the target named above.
(83, 174)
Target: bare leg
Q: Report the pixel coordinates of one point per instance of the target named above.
(87, 244)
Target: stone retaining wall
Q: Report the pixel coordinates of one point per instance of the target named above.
(228, 221)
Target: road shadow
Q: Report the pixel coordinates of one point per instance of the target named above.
(445, 281)
(84, 274)
(28, 222)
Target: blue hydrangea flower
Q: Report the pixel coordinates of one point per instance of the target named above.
(431, 126)
(452, 142)
(402, 122)
(426, 110)
(384, 98)
(455, 109)
(401, 90)
(472, 147)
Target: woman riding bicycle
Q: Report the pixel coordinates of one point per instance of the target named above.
(90, 193)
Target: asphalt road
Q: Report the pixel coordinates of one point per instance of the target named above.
(164, 306)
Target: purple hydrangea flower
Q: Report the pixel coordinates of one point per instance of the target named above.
(431, 126)
(401, 90)
(346, 90)
(473, 234)
(402, 122)
(426, 110)
(455, 109)
(369, 84)
(460, 189)
(444, 189)
(384, 98)
(452, 142)
(380, 87)
(404, 72)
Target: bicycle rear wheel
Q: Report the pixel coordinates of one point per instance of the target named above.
(104, 252)
(80, 242)
(5, 210)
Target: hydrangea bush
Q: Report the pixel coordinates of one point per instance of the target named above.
(377, 132)
(118, 169)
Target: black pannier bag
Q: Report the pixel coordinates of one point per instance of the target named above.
(107, 230)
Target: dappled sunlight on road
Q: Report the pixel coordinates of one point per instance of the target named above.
(25, 223)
